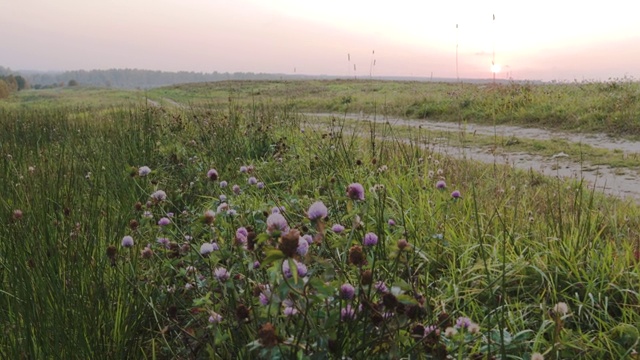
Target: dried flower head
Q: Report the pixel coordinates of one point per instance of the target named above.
(356, 256)
(267, 335)
(289, 242)
(212, 174)
(561, 308)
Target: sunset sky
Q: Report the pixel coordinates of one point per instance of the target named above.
(537, 40)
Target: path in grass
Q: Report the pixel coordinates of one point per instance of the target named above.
(613, 181)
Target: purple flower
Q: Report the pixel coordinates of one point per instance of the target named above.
(337, 228)
(215, 318)
(212, 174)
(300, 267)
(355, 191)
(277, 209)
(206, 248)
(381, 287)
(256, 264)
(260, 185)
(164, 221)
(277, 222)
(455, 194)
(159, 195)
(347, 313)
(463, 322)
(441, 184)
(252, 181)
(147, 214)
(241, 235)
(127, 241)
(308, 238)
(243, 169)
(170, 214)
(289, 311)
(347, 291)
(221, 274)
(317, 210)
(303, 246)
(223, 184)
(265, 295)
(370, 239)
(236, 189)
(163, 241)
(144, 171)
(391, 222)
(222, 197)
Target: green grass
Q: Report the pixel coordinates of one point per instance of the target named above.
(504, 254)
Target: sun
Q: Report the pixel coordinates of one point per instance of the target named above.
(495, 68)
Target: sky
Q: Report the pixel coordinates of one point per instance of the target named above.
(561, 40)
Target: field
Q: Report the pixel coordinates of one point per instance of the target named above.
(219, 221)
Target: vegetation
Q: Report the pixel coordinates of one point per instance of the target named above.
(233, 229)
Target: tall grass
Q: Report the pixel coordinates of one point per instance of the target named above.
(472, 276)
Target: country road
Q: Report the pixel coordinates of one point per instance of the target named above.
(623, 183)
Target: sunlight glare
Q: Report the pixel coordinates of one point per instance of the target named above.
(495, 68)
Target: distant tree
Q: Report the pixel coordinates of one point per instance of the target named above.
(22, 83)
(72, 82)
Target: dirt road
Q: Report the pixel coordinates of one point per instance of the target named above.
(623, 183)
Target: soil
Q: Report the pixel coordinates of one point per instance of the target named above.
(620, 182)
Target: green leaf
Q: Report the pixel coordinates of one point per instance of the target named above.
(272, 255)
(294, 270)
(321, 287)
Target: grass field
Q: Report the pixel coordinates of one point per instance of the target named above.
(209, 225)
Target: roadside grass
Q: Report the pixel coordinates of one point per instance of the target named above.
(470, 260)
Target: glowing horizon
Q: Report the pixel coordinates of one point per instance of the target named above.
(538, 41)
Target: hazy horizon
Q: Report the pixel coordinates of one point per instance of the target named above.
(537, 41)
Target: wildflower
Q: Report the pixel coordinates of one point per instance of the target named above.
(450, 332)
(223, 184)
(381, 287)
(277, 209)
(241, 235)
(561, 308)
(537, 356)
(164, 221)
(267, 335)
(221, 274)
(243, 169)
(147, 214)
(111, 253)
(277, 222)
(463, 322)
(16, 215)
(188, 238)
(366, 277)
(256, 264)
(370, 239)
(402, 244)
(355, 191)
(347, 291)
(317, 211)
(337, 228)
(209, 216)
(347, 313)
(473, 328)
(224, 207)
(159, 195)
(144, 171)
(163, 241)
(303, 245)
(429, 329)
(389, 300)
(289, 310)
(188, 286)
(215, 318)
(252, 181)
(265, 295)
(222, 197)
(308, 239)
(127, 241)
(441, 184)
(356, 256)
(260, 185)
(212, 174)
(300, 267)
(206, 249)
(391, 222)
(236, 189)
(456, 194)
(146, 253)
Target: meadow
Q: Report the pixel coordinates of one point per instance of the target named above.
(216, 221)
